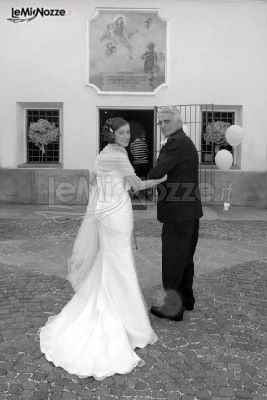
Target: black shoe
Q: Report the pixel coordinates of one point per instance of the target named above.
(158, 313)
(189, 306)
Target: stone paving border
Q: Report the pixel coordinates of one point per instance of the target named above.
(217, 352)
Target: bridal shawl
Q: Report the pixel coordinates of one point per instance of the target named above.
(111, 163)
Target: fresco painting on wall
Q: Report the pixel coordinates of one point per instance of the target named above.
(126, 51)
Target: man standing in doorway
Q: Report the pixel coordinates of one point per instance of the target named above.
(179, 209)
(139, 150)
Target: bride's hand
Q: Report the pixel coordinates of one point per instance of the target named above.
(163, 179)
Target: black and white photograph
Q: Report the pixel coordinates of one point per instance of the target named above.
(133, 200)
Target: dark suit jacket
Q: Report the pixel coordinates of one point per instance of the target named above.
(179, 196)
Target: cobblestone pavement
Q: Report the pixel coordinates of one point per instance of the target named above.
(14, 229)
(217, 352)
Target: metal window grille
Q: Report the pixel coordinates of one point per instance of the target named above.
(34, 154)
(208, 149)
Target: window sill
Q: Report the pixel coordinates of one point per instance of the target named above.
(36, 165)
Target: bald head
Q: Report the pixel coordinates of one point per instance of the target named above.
(169, 120)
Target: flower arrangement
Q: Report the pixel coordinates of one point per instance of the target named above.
(42, 133)
(215, 133)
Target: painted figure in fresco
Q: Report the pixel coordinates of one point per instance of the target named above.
(116, 34)
(121, 33)
(108, 34)
(119, 26)
(110, 49)
(150, 57)
(151, 66)
(148, 22)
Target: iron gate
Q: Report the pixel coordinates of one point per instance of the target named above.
(195, 119)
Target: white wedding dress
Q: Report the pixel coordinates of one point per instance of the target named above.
(96, 333)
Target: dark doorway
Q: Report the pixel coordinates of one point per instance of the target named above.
(145, 117)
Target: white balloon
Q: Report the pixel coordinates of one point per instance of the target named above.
(185, 129)
(224, 159)
(234, 135)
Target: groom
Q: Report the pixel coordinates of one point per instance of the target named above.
(179, 208)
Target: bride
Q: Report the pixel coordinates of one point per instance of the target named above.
(95, 334)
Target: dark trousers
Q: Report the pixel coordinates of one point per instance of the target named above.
(179, 242)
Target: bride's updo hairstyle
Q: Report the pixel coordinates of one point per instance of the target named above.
(111, 125)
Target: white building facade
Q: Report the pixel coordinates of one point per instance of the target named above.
(216, 62)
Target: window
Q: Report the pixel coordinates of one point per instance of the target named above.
(208, 150)
(50, 155)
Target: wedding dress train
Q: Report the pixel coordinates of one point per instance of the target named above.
(96, 333)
